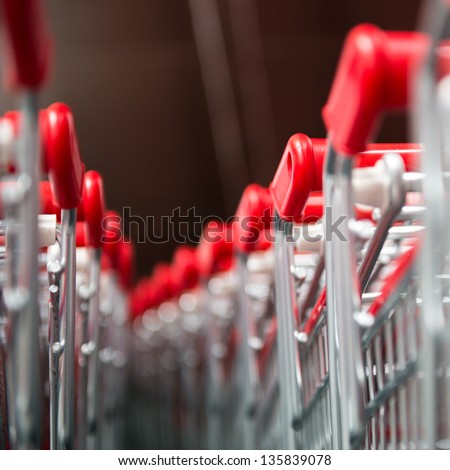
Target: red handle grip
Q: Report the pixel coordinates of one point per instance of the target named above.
(164, 283)
(61, 154)
(93, 206)
(301, 168)
(253, 218)
(126, 263)
(112, 236)
(295, 176)
(373, 75)
(47, 203)
(215, 251)
(185, 267)
(28, 43)
(144, 296)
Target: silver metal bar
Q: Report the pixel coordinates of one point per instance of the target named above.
(246, 360)
(427, 129)
(66, 437)
(394, 168)
(343, 303)
(290, 384)
(93, 395)
(56, 347)
(21, 289)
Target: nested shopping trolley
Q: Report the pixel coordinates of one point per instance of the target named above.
(61, 340)
(319, 338)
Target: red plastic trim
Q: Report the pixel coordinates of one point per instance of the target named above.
(294, 178)
(373, 76)
(185, 267)
(253, 219)
(93, 208)
(61, 154)
(29, 44)
(215, 251)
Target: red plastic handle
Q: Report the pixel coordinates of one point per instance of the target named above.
(112, 236)
(47, 203)
(126, 263)
(253, 219)
(80, 235)
(164, 283)
(215, 251)
(185, 267)
(93, 206)
(61, 154)
(373, 76)
(28, 41)
(144, 296)
(294, 178)
(313, 210)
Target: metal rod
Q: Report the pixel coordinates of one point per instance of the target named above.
(93, 392)
(343, 303)
(67, 401)
(290, 384)
(22, 286)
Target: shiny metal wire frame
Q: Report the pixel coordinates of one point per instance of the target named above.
(193, 370)
(265, 413)
(390, 353)
(222, 383)
(313, 426)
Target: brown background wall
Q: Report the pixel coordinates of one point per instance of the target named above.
(130, 71)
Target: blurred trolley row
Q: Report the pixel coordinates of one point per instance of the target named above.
(317, 319)
(63, 290)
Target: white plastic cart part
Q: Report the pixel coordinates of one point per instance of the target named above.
(371, 185)
(46, 230)
(261, 261)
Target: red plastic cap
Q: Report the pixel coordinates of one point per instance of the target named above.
(373, 75)
(61, 154)
(143, 297)
(126, 263)
(215, 251)
(163, 281)
(253, 219)
(313, 210)
(112, 236)
(80, 235)
(28, 41)
(294, 178)
(93, 208)
(185, 267)
(47, 204)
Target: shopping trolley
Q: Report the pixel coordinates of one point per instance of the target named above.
(430, 118)
(218, 276)
(27, 44)
(157, 340)
(192, 347)
(381, 81)
(302, 321)
(116, 280)
(256, 385)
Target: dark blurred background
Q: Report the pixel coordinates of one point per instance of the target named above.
(181, 103)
